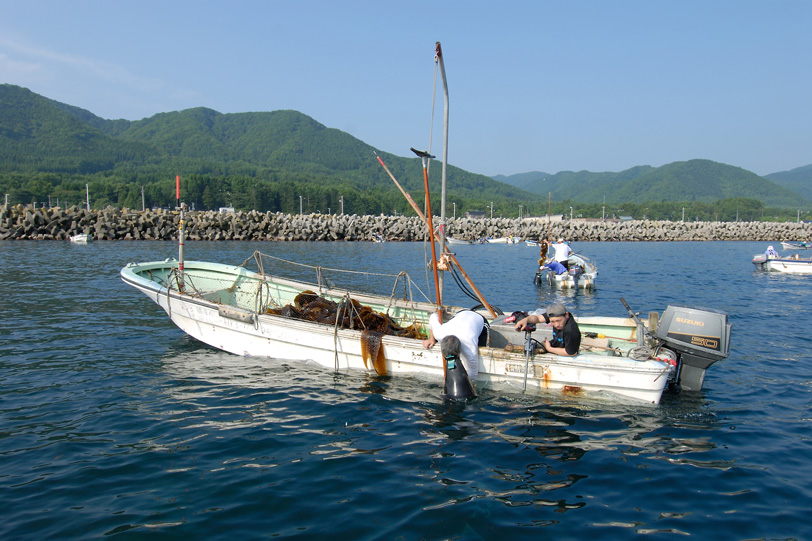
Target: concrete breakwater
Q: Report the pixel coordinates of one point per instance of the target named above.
(20, 223)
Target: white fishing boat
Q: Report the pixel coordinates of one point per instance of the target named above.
(455, 241)
(795, 245)
(253, 313)
(260, 313)
(81, 238)
(784, 264)
(581, 273)
(504, 240)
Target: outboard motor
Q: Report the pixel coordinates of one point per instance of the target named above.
(698, 337)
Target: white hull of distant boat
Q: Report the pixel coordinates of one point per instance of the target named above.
(582, 274)
(505, 240)
(454, 241)
(786, 265)
(794, 245)
(81, 238)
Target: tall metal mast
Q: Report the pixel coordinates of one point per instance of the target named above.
(438, 55)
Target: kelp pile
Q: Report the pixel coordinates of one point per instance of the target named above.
(350, 314)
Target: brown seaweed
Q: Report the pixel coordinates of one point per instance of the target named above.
(311, 307)
(372, 351)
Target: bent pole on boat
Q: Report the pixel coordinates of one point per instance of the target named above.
(424, 156)
(453, 258)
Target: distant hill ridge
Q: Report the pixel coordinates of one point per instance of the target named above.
(289, 153)
(693, 180)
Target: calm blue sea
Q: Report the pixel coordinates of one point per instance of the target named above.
(115, 424)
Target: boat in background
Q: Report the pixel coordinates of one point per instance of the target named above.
(454, 241)
(795, 245)
(787, 265)
(581, 274)
(81, 238)
(504, 240)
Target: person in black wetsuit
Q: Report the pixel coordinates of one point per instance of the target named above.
(566, 334)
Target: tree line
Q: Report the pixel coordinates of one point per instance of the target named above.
(207, 192)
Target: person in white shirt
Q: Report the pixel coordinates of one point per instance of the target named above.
(562, 252)
(466, 325)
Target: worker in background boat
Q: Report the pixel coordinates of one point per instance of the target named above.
(566, 334)
(466, 325)
(771, 253)
(556, 267)
(562, 253)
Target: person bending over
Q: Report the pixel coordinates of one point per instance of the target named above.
(467, 326)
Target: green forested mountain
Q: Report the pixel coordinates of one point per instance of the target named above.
(263, 160)
(694, 180)
(799, 180)
(279, 160)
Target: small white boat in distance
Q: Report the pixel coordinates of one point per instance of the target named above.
(787, 265)
(81, 238)
(453, 241)
(505, 240)
(795, 245)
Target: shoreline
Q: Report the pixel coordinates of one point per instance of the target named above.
(25, 223)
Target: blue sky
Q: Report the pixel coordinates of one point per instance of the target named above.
(534, 85)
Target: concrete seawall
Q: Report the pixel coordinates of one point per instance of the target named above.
(21, 223)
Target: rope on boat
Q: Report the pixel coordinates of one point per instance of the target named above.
(665, 371)
(335, 330)
(322, 281)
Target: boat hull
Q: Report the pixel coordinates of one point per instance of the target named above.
(453, 241)
(790, 245)
(81, 238)
(783, 265)
(504, 240)
(241, 331)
